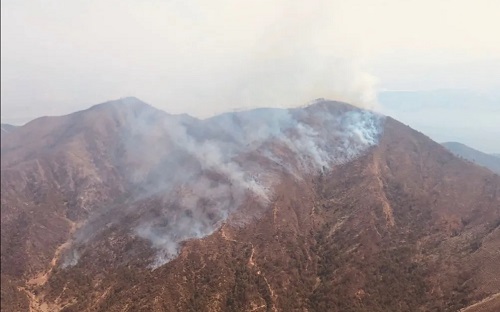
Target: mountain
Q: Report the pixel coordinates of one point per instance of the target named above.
(496, 155)
(482, 159)
(123, 207)
(6, 129)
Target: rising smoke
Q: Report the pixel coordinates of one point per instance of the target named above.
(202, 171)
(183, 56)
(296, 58)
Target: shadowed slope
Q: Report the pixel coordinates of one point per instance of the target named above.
(491, 162)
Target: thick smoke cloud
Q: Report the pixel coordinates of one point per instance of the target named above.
(200, 58)
(188, 176)
(294, 58)
(199, 172)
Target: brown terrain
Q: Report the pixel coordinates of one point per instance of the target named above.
(403, 226)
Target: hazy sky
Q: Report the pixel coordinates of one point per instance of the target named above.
(204, 57)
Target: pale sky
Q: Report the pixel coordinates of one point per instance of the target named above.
(205, 57)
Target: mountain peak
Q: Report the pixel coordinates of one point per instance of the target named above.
(321, 104)
(129, 102)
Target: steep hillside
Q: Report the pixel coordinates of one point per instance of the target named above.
(482, 159)
(55, 172)
(323, 208)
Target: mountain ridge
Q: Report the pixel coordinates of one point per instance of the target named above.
(482, 159)
(391, 225)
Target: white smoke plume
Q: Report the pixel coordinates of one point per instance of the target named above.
(205, 169)
(188, 176)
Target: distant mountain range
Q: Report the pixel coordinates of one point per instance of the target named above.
(490, 161)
